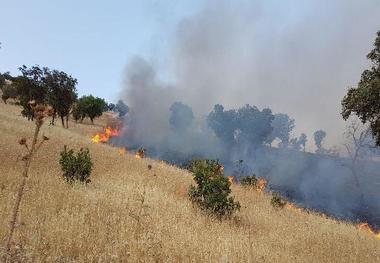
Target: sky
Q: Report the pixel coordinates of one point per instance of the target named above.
(91, 40)
(297, 57)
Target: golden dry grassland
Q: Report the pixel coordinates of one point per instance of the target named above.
(129, 213)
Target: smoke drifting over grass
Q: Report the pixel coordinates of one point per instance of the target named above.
(296, 58)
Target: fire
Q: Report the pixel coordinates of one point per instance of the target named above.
(105, 136)
(292, 207)
(140, 153)
(122, 151)
(230, 180)
(261, 183)
(367, 228)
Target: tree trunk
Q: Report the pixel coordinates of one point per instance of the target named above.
(67, 121)
(63, 122)
(92, 120)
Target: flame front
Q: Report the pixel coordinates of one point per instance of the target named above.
(105, 135)
(367, 228)
(293, 207)
(260, 185)
(122, 151)
(140, 153)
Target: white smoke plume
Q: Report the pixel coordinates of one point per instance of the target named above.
(294, 57)
(291, 56)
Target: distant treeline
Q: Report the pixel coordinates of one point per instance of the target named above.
(57, 89)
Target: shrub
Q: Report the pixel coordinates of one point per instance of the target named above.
(249, 181)
(9, 92)
(76, 167)
(213, 189)
(276, 201)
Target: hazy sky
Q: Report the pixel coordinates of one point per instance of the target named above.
(296, 57)
(92, 40)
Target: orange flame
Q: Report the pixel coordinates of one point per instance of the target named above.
(122, 151)
(367, 228)
(261, 183)
(105, 136)
(140, 153)
(292, 207)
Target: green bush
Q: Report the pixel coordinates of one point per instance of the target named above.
(212, 190)
(249, 181)
(76, 167)
(276, 201)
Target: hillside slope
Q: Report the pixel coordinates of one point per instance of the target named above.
(131, 213)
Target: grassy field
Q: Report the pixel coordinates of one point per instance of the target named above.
(132, 214)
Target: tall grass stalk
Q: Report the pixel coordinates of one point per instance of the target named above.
(40, 113)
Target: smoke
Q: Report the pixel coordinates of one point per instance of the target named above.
(297, 58)
(293, 57)
(148, 122)
(149, 101)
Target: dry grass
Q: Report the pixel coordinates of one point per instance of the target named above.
(131, 213)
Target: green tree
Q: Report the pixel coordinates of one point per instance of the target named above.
(92, 107)
(282, 126)
(30, 87)
(181, 116)
(111, 106)
(319, 136)
(223, 123)
(364, 100)
(121, 108)
(61, 93)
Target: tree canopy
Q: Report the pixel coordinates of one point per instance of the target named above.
(121, 108)
(282, 126)
(30, 87)
(61, 92)
(319, 136)
(364, 100)
(299, 143)
(254, 126)
(246, 125)
(223, 123)
(92, 107)
(181, 116)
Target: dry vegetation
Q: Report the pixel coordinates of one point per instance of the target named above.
(132, 213)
